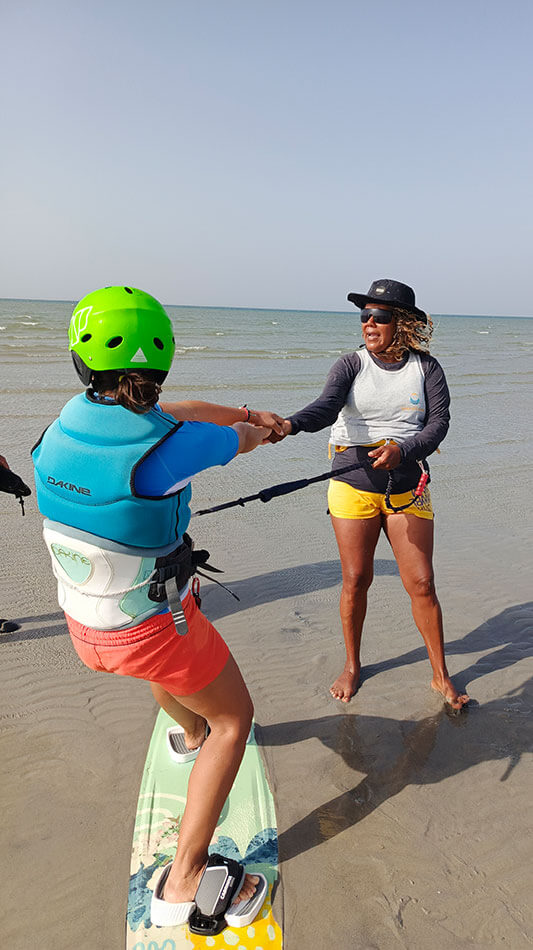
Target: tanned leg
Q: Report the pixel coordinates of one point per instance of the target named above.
(357, 541)
(193, 725)
(226, 705)
(411, 539)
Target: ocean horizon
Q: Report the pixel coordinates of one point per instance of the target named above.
(66, 300)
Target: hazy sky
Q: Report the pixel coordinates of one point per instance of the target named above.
(269, 153)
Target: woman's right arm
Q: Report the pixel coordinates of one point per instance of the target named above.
(323, 411)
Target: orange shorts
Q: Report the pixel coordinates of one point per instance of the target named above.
(155, 651)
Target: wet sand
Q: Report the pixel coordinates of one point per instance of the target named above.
(400, 826)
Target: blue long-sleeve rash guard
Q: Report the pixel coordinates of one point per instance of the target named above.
(323, 412)
(192, 448)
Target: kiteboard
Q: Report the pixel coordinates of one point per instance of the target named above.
(246, 831)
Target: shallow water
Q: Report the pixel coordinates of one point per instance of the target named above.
(278, 359)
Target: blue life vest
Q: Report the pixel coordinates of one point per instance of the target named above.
(85, 465)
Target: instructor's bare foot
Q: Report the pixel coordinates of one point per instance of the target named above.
(345, 686)
(451, 695)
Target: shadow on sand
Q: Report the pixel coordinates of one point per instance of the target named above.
(396, 753)
(261, 589)
(504, 639)
(280, 584)
(32, 628)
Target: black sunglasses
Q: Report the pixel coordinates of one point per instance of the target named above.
(380, 316)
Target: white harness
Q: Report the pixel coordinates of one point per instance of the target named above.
(100, 587)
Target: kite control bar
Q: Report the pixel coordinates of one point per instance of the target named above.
(275, 491)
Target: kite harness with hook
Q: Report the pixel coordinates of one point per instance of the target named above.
(417, 492)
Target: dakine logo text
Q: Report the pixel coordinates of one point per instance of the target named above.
(70, 486)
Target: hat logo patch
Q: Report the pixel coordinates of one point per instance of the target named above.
(380, 290)
(139, 357)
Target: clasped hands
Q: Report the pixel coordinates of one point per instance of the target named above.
(279, 427)
(386, 456)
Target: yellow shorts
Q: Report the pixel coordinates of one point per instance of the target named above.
(344, 501)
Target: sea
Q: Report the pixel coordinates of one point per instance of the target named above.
(278, 360)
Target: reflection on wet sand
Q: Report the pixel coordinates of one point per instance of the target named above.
(396, 753)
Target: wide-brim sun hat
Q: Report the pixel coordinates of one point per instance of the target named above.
(391, 292)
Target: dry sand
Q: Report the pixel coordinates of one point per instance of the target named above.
(399, 825)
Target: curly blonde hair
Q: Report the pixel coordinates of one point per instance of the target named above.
(410, 334)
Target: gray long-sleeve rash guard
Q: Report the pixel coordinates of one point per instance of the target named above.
(324, 411)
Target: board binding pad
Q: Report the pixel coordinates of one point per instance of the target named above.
(246, 832)
(219, 887)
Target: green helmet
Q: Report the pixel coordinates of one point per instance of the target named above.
(123, 329)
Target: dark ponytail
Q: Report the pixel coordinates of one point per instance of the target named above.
(135, 391)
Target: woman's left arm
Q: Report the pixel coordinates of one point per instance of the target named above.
(437, 419)
(194, 410)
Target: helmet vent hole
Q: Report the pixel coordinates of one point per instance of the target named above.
(86, 337)
(128, 290)
(159, 343)
(114, 341)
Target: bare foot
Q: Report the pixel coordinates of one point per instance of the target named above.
(345, 686)
(196, 738)
(186, 889)
(248, 888)
(448, 691)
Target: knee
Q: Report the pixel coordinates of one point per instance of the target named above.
(356, 582)
(235, 727)
(239, 730)
(422, 586)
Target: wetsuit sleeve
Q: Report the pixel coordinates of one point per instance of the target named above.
(192, 448)
(324, 410)
(437, 418)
